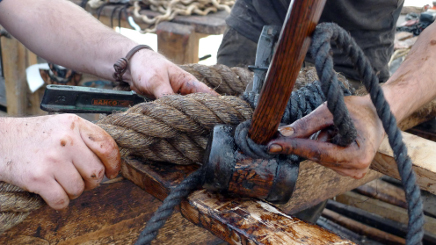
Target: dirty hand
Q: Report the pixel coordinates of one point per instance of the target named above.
(154, 75)
(353, 160)
(57, 157)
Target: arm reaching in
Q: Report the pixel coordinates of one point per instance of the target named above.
(411, 87)
(65, 34)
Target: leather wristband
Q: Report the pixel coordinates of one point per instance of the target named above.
(122, 64)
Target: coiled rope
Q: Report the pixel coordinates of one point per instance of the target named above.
(321, 49)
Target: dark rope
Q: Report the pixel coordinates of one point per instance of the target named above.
(321, 50)
(175, 197)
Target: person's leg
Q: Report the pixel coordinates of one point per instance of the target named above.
(236, 50)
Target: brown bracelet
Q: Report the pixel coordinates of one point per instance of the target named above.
(122, 64)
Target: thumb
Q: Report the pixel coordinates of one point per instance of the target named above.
(319, 119)
(102, 145)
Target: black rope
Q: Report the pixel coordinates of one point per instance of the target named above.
(162, 214)
(321, 50)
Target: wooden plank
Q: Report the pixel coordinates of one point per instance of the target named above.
(363, 229)
(111, 214)
(179, 43)
(235, 220)
(14, 67)
(423, 155)
(383, 209)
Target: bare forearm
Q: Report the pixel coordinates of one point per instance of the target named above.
(414, 84)
(63, 33)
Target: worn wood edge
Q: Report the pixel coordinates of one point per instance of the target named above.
(249, 221)
(382, 209)
(197, 209)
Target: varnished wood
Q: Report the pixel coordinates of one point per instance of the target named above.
(111, 214)
(294, 41)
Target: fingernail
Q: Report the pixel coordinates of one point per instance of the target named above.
(274, 148)
(286, 131)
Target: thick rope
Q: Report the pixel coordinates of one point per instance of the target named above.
(321, 50)
(15, 205)
(224, 80)
(297, 108)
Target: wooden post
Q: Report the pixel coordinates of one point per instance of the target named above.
(294, 41)
(179, 43)
(14, 66)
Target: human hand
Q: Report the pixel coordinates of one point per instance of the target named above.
(57, 157)
(353, 160)
(154, 75)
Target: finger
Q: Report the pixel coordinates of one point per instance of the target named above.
(328, 154)
(194, 86)
(162, 89)
(308, 125)
(184, 83)
(102, 145)
(88, 165)
(52, 193)
(71, 181)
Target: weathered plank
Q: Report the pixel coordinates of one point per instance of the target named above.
(363, 229)
(383, 209)
(111, 214)
(234, 219)
(423, 155)
(14, 68)
(178, 42)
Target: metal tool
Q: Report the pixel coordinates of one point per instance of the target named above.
(76, 99)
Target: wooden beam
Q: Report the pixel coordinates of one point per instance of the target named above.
(111, 214)
(179, 43)
(370, 232)
(383, 209)
(423, 155)
(235, 220)
(14, 67)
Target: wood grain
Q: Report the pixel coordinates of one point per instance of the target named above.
(111, 214)
(294, 41)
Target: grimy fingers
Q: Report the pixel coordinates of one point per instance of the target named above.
(327, 154)
(102, 144)
(319, 119)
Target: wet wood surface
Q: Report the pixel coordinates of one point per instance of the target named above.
(110, 214)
